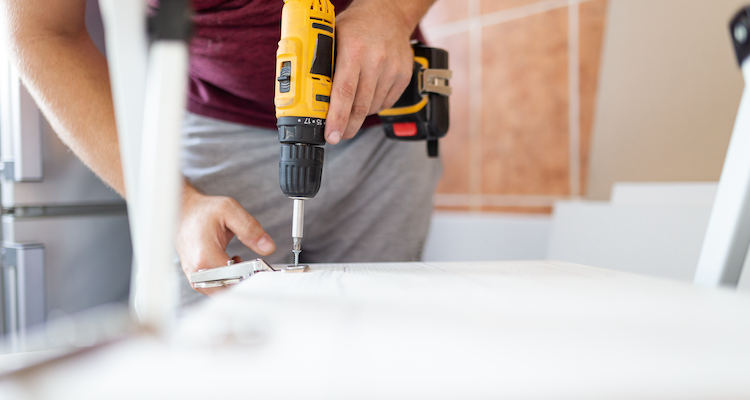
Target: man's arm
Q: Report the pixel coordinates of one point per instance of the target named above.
(68, 77)
(374, 63)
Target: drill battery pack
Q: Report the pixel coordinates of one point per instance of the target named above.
(422, 112)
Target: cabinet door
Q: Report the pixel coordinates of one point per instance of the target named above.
(87, 259)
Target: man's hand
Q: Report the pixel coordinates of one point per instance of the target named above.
(207, 224)
(374, 62)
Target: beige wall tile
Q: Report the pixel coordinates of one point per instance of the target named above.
(489, 6)
(525, 106)
(444, 11)
(524, 140)
(593, 18)
(454, 148)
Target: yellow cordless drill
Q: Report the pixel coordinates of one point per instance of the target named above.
(304, 71)
(304, 75)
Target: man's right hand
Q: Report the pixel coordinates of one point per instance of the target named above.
(207, 224)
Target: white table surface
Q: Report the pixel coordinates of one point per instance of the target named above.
(520, 330)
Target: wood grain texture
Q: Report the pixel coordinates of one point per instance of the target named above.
(491, 330)
(525, 106)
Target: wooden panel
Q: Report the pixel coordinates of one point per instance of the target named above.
(525, 106)
(593, 18)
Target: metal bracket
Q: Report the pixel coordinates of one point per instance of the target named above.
(436, 81)
(235, 273)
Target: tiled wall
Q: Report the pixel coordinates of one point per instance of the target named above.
(524, 84)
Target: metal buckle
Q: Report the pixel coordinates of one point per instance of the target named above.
(436, 81)
(233, 273)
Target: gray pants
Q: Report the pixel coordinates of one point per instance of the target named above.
(374, 205)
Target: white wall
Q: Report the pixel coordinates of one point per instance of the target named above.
(486, 237)
(650, 229)
(654, 229)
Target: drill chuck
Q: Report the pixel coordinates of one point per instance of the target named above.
(301, 158)
(300, 170)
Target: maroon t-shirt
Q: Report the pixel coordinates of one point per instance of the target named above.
(233, 59)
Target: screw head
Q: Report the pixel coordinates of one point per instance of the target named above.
(741, 33)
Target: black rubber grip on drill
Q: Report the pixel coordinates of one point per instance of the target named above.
(302, 130)
(300, 170)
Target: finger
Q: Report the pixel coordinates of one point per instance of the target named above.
(396, 91)
(381, 92)
(361, 106)
(246, 228)
(343, 92)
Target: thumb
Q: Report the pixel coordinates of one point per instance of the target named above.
(248, 230)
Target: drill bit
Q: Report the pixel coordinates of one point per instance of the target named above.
(298, 221)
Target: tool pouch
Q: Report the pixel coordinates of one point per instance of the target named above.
(422, 112)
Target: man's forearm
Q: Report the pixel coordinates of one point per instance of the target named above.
(410, 12)
(68, 77)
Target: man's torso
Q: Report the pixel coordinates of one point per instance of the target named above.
(233, 59)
